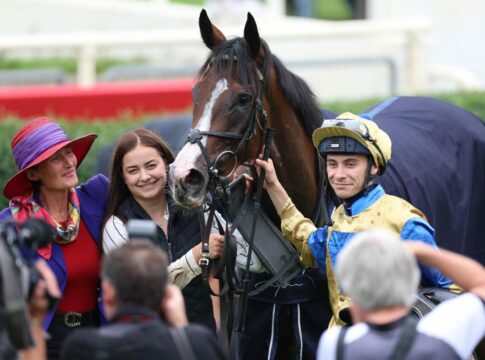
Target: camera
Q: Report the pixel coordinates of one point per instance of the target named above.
(142, 229)
(18, 275)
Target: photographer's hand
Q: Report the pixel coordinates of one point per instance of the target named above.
(38, 308)
(47, 286)
(173, 307)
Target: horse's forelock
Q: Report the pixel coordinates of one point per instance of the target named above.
(231, 57)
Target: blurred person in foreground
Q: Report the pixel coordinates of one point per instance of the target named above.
(147, 317)
(381, 275)
(45, 187)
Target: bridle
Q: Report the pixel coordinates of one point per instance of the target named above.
(258, 117)
(217, 186)
(218, 189)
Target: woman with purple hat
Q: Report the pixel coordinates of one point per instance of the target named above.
(45, 188)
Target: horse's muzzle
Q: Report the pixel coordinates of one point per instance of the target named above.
(188, 191)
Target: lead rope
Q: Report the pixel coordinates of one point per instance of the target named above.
(257, 206)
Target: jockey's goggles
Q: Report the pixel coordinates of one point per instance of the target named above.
(351, 134)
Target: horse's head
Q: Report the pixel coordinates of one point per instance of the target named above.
(228, 113)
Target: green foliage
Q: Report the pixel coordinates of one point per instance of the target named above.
(68, 65)
(471, 100)
(190, 2)
(332, 10)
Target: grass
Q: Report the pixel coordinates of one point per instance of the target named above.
(68, 65)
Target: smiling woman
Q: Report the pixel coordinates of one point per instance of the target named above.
(139, 191)
(45, 188)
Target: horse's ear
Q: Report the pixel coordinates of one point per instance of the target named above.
(211, 35)
(251, 35)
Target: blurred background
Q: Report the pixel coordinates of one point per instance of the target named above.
(105, 65)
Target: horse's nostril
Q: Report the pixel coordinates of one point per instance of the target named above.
(194, 179)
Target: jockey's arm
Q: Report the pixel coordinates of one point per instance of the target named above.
(297, 229)
(465, 272)
(419, 229)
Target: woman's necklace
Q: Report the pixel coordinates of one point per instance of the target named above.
(163, 224)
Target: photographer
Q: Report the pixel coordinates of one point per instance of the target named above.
(380, 272)
(135, 296)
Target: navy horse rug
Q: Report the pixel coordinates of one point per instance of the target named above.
(438, 164)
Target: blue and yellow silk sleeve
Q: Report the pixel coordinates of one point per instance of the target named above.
(417, 228)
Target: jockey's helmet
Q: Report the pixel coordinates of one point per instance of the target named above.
(351, 134)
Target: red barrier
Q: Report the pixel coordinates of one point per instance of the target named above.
(107, 100)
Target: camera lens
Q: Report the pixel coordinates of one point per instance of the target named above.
(34, 234)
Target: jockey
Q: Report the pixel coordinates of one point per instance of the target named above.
(355, 151)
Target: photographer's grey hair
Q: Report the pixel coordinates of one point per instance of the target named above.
(376, 271)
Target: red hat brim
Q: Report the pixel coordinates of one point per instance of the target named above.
(19, 184)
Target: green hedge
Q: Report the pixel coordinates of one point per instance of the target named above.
(109, 131)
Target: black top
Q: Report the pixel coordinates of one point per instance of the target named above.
(137, 333)
(183, 235)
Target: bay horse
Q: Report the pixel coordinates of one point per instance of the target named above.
(243, 85)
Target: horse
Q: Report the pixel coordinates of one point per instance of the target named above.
(243, 89)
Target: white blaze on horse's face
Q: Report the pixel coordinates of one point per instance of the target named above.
(185, 192)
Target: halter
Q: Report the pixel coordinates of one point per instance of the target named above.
(218, 188)
(195, 135)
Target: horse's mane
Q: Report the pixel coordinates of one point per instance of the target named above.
(233, 56)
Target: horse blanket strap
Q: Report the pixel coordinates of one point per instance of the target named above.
(402, 347)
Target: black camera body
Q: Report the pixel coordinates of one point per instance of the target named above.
(18, 275)
(142, 229)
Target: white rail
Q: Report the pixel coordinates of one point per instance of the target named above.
(289, 38)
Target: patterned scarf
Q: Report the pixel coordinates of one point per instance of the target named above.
(26, 207)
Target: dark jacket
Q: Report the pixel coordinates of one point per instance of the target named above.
(184, 234)
(137, 333)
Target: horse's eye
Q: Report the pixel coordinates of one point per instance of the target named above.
(243, 99)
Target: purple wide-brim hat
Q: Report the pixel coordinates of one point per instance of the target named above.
(35, 142)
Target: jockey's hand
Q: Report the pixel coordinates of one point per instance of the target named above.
(270, 179)
(216, 245)
(272, 185)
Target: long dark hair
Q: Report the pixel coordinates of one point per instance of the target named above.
(118, 191)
